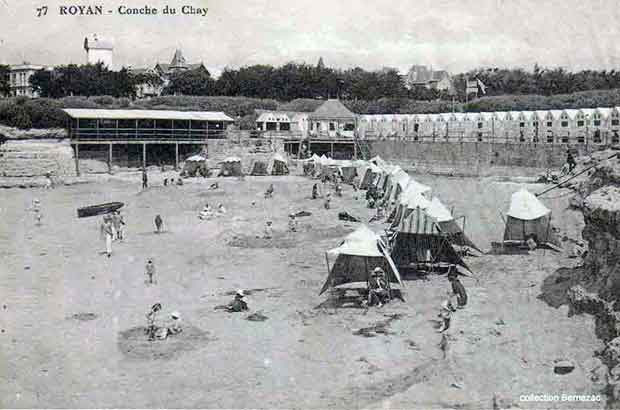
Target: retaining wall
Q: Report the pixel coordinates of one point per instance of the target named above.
(474, 158)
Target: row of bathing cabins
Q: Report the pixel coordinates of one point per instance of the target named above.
(568, 126)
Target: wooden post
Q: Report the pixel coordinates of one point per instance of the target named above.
(77, 158)
(110, 158)
(332, 150)
(176, 156)
(143, 155)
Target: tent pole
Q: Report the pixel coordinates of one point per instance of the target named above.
(548, 227)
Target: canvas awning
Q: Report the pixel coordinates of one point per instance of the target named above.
(524, 205)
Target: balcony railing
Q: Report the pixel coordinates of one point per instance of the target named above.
(104, 134)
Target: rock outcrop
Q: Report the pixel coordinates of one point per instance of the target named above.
(35, 158)
(598, 291)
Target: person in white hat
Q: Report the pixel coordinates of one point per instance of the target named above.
(378, 292)
(238, 304)
(444, 314)
(175, 324)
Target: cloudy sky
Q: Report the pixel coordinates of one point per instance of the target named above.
(450, 34)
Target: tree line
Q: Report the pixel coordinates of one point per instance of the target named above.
(297, 80)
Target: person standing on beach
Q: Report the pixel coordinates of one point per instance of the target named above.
(118, 223)
(458, 289)
(159, 223)
(36, 208)
(108, 233)
(150, 271)
(145, 179)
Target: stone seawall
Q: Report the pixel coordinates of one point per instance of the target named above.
(473, 158)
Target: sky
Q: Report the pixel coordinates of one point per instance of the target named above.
(455, 35)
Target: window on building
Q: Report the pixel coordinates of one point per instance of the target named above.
(581, 139)
(564, 139)
(126, 124)
(272, 126)
(259, 126)
(351, 127)
(597, 137)
(615, 122)
(615, 138)
(479, 136)
(521, 137)
(86, 123)
(332, 126)
(549, 123)
(285, 126)
(479, 125)
(580, 123)
(521, 124)
(597, 123)
(535, 124)
(550, 138)
(564, 123)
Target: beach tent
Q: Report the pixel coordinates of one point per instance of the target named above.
(231, 166)
(348, 171)
(419, 240)
(194, 165)
(448, 225)
(358, 254)
(259, 168)
(409, 200)
(377, 160)
(399, 182)
(369, 176)
(528, 217)
(312, 165)
(278, 165)
(394, 173)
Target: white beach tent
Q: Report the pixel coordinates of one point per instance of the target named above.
(358, 254)
(369, 176)
(278, 165)
(528, 217)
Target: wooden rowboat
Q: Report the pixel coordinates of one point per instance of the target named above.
(100, 209)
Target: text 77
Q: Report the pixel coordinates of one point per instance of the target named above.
(41, 11)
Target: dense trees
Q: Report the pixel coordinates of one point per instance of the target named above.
(298, 81)
(86, 80)
(4, 80)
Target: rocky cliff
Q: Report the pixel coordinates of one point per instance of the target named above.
(594, 287)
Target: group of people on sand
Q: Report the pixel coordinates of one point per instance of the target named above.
(208, 212)
(457, 299)
(159, 331)
(112, 229)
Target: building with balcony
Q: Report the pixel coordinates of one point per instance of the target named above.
(153, 133)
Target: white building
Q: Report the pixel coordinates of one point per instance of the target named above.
(19, 79)
(99, 50)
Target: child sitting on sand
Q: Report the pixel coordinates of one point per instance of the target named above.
(206, 212)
